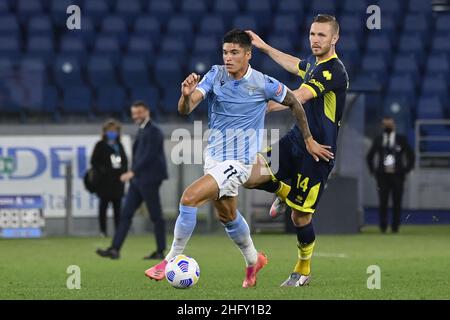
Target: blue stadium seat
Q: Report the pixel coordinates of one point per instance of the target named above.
(245, 22)
(195, 9)
(429, 107)
(286, 23)
(356, 7)
(28, 8)
(148, 26)
(379, 43)
(39, 25)
(181, 26)
(9, 26)
(4, 7)
(260, 10)
(148, 94)
(346, 42)
(282, 42)
(420, 6)
(161, 10)
(440, 43)
(128, 9)
(375, 63)
(402, 82)
(416, 22)
(114, 25)
(207, 45)
(96, 10)
(168, 72)
(437, 62)
(291, 7)
(77, 99)
(390, 7)
(435, 84)
(50, 103)
(134, 71)
(322, 6)
(169, 102)
(351, 24)
(406, 63)
(74, 45)
(399, 106)
(41, 46)
(142, 46)
(111, 99)
(108, 46)
(101, 71)
(67, 71)
(413, 44)
(227, 9)
(173, 45)
(9, 47)
(212, 25)
(442, 23)
(271, 68)
(201, 63)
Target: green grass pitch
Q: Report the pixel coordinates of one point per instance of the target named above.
(414, 264)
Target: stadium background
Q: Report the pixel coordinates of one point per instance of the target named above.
(57, 86)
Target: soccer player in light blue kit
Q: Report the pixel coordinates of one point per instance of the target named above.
(237, 98)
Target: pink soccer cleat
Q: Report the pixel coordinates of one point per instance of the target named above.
(277, 209)
(157, 272)
(250, 276)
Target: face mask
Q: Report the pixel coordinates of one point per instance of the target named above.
(112, 135)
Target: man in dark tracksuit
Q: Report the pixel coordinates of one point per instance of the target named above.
(148, 171)
(395, 160)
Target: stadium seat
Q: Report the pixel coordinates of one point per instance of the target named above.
(201, 63)
(429, 107)
(77, 99)
(169, 102)
(291, 7)
(376, 64)
(286, 23)
(350, 25)
(227, 9)
(355, 7)
(390, 7)
(437, 62)
(148, 26)
(207, 45)
(134, 71)
(143, 47)
(181, 27)
(50, 104)
(107, 46)
(406, 63)
(173, 45)
(399, 106)
(70, 44)
(440, 43)
(4, 7)
(111, 99)
(402, 83)
(128, 10)
(379, 43)
(101, 71)
(114, 25)
(435, 84)
(212, 25)
(9, 47)
(39, 25)
(420, 6)
(9, 26)
(282, 42)
(322, 6)
(195, 9)
(168, 72)
(245, 22)
(442, 23)
(41, 46)
(412, 44)
(96, 10)
(161, 10)
(28, 8)
(67, 71)
(260, 10)
(274, 70)
(416, 22)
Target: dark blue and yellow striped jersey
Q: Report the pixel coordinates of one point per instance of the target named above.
(328, 82)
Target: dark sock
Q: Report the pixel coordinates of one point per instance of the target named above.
(269, 186)
(305, 234)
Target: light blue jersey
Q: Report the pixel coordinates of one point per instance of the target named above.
(236, 112)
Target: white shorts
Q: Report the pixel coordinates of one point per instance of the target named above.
(229, 175)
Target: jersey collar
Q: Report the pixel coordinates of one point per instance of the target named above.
(332, 57)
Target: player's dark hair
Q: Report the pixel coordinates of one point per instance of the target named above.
(240, 37)
(327, 18)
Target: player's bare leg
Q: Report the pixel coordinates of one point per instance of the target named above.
(197, 194)
(238, 231)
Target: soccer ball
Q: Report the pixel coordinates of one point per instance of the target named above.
(182, 272)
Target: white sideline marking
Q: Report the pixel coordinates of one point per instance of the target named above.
(330, 255)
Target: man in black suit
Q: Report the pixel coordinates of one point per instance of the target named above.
(148, 171)
(395, 160)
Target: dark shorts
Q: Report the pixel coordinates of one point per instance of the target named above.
(291, 163)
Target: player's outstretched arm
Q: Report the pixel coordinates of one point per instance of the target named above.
(190, 98)
(288, 62)
(316, 150)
